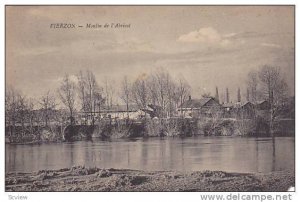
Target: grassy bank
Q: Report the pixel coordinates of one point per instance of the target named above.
(95, 179)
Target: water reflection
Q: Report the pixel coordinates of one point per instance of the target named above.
(233, 154)
(273, 154)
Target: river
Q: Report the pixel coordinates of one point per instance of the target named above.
(232, 154)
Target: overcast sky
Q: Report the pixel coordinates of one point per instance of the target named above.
(210, 46)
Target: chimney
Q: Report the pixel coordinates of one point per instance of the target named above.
(190, 97)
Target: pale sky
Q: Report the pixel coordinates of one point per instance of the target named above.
(209, 45)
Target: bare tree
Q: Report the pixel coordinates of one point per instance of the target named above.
(48, 105)
(67, 93)
(139, 93)
(109, 89)
(22, 110)
(183, 91)
(92, 90)
(107, 94)
(274, 88)
(213, 123)
(11, 105)
(90, 94)
(31, 116)
(160, 88)
(82, 88)
(252, 84)
(125, 93)
(152, 88)
(244, 125)
(60, 118)
(19, 111)
(99, 100)
(161, 79)
(163, 91)
(170, 88)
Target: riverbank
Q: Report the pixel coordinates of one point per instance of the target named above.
(148, 128)
(95, 179)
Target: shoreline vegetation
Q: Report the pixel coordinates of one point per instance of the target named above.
(80, 178)
(148, 128)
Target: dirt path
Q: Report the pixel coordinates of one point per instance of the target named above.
(94, 179)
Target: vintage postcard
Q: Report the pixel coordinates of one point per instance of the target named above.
(149, 98)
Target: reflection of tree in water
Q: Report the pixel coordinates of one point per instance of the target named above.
(162, 152)
(273, 164)
(273, 154)
(182, 155)
(144, 157)
(128, 155)
(257, 156)
(72, 154)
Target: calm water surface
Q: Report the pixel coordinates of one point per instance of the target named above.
(235, 154)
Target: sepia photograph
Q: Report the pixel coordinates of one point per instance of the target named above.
(165, 98)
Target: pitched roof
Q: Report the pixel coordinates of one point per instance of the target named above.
(260, 102)
(195, 103)
(243, 104)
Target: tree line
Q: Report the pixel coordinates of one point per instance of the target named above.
(158, 88)
(84, 93)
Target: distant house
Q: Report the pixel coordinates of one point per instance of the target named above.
(262, 108)
(228, 110)
(262, 105)
(198, 107)
(245, 109)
